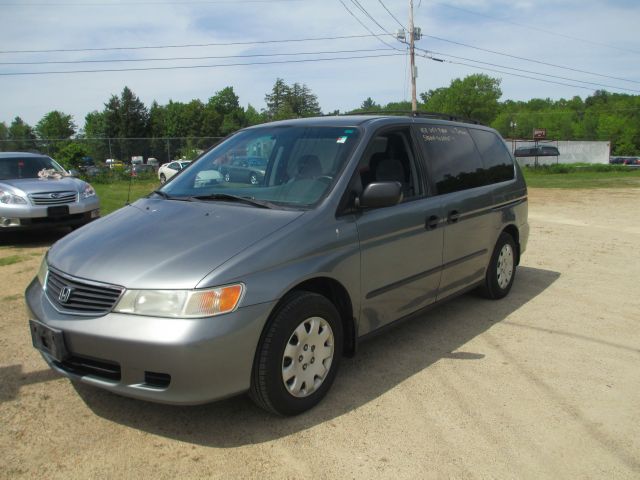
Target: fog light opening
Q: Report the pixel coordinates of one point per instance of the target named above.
(157, 380)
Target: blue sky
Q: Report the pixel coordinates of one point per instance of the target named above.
(609, 45)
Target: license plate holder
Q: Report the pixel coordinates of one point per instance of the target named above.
(59, 211)
(48, 340)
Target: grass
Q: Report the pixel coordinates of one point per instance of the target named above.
(10, 260)
(113, 195)
(582, 176)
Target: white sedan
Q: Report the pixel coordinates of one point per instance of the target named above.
(168, 170)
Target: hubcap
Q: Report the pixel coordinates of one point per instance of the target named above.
(505, 266)
(307, 357)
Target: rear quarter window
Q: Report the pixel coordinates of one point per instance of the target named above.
(453, 157)
(497, 162)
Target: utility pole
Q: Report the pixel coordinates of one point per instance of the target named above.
(414, 101)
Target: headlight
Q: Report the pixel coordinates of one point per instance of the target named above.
(9, 198)
(88, 191)
(181, 303)
(42, 272)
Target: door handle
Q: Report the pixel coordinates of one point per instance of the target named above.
(453, 216)
(432, 222)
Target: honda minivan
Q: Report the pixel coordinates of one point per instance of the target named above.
(228, 287)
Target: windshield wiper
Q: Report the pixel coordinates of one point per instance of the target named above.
(234, 198)
(166, 196)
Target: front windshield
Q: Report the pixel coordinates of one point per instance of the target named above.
(288, 166)
(27, 167)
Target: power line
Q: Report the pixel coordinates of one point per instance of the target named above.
(539, 29)
(191, 45)
(141, 69)
(207, 57)
(540, 62)
(364, 10)
(392, 15)
(508, 73)
(365, 26)
(529, 71)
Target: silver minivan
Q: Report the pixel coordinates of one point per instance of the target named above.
(232, 287)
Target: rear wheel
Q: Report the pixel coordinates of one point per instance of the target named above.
(502, 268)
(163, 178)
(298, 356)
(253, 179)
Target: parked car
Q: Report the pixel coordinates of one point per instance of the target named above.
(539, 151)
(168, 170)
(359, 222)
(244, 169)
(35, 191)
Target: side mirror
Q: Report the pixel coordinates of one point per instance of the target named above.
(380, 194)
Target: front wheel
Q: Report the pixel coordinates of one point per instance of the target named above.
(227, 177)
(163, 178)
(298, 356)
(502, 268)
(253, 179)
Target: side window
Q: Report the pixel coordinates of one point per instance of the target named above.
(454, 159)
(174, 166)
(390, 157)
(497, 161)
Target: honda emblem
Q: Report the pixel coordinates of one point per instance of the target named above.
(65, 293)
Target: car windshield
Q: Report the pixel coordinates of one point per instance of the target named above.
(27, 167)
(184, 164)
(284, 165)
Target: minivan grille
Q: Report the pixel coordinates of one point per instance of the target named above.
(53, 198)
(80, 296)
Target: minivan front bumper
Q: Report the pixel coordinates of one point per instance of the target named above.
(166, 360)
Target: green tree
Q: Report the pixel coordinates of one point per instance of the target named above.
(95, 134)
(475, 97)
(277, 99)
(56, 125)
(21, 135)
(227, 106)
(4, 136)
(70, 155)
(54, 129)
(253, 117)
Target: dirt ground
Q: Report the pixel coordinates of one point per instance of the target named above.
(542, 384)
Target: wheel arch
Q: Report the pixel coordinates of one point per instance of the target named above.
(515, 234)
(337, 294)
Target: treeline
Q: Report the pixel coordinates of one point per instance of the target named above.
(127, 127)
(602, 116)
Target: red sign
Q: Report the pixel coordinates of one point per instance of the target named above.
(539, 133)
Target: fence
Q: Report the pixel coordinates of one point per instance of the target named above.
(165, 149)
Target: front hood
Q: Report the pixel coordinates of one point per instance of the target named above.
(164, 244)
(37, 185)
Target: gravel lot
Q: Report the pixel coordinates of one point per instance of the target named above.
(543, 384)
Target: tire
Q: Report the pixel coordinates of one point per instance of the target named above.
(227, 177)
(163, 178)
(282, 354)
(501, 271)
(253, 179)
